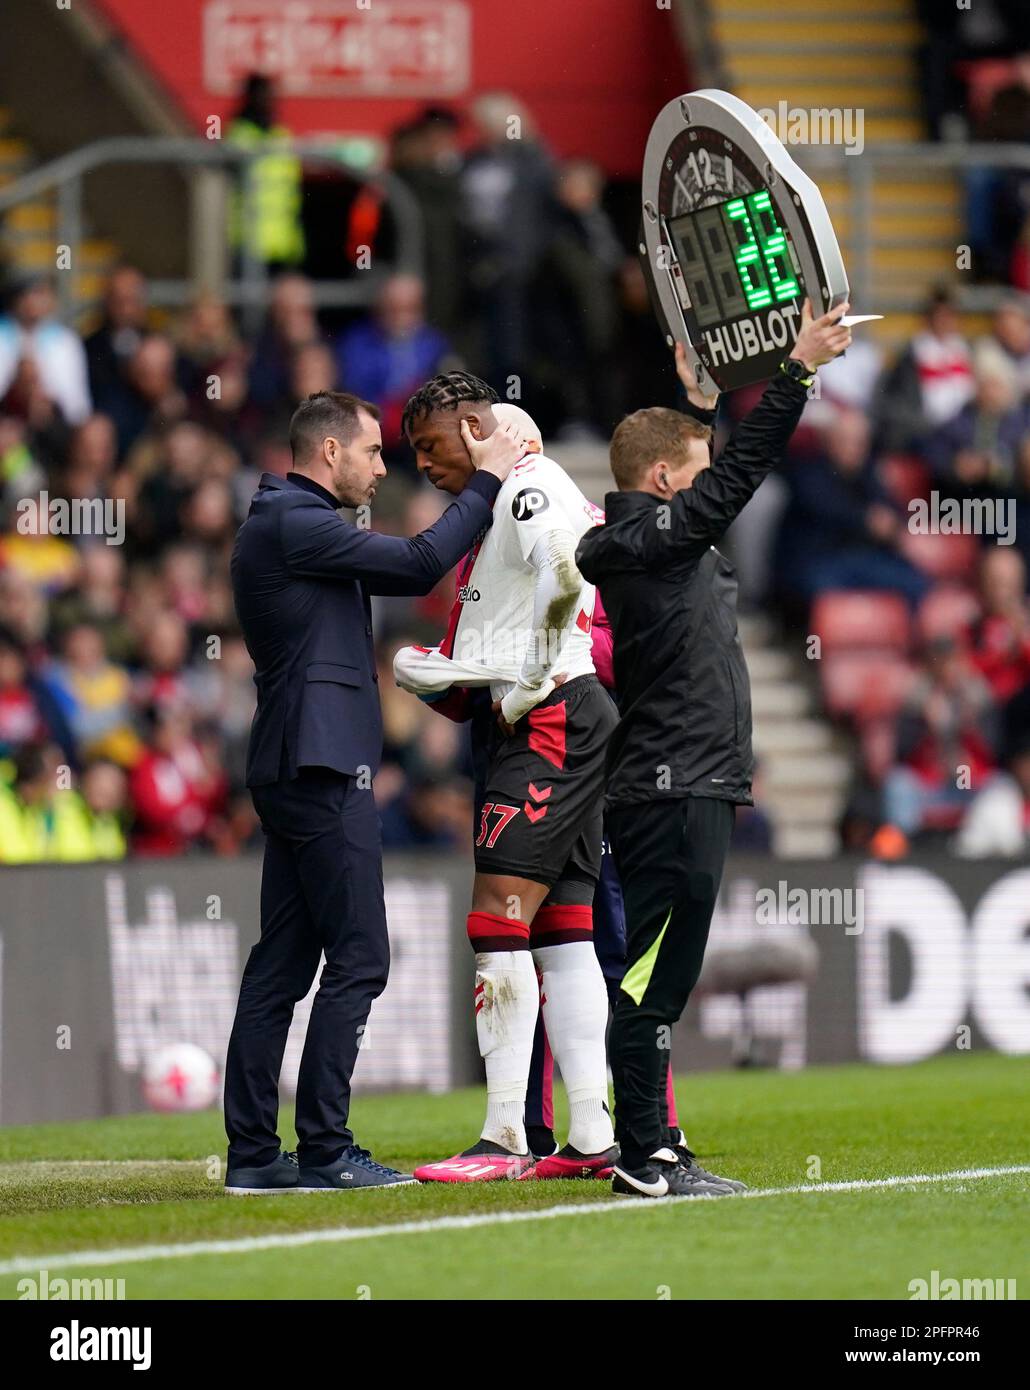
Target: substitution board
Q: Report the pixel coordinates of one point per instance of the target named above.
(734, 237)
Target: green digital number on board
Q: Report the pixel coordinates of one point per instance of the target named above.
(773, 243)
(748, 256)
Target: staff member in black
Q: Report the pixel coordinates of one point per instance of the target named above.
(301, 578)
(680, 759)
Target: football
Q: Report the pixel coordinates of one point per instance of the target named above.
(180, 1077)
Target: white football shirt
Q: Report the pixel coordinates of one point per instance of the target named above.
(492, 620)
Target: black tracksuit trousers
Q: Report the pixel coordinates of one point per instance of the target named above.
(670, 855)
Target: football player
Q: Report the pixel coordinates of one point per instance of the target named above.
(521, 625)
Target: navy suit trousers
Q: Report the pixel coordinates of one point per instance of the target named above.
(321, 891)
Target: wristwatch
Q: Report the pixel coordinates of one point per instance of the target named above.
(797, 371)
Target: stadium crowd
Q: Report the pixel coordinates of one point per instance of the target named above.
(125, 686)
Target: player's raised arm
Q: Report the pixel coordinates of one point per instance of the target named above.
(706, 502)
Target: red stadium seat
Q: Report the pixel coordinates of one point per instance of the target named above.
(865, 685)
(940, 556)
(863, 618)
(904, 477)
(984, 77)
(947, 611)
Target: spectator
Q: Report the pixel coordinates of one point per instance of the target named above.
(205, 339)
(105, 800)
(29, 329)
(208, 518)
(22, 474)
(931, 381)
(49, 561)
(312, 369)
(945, 745)
(434, 811)
(42, 820)
(177, 792)
(23, 609)
(151, 397)
(998, 199)
(507, 187)
(185, 571)
(387, 356)
(575, 305)
(266, 210)
(998, 821)
(841, 529)
(96, 696)
(92, 455)
(425, 155)
(161, 681)
(27, 401)
(111, 348)
(1007, 345)
(98, 600)
(291, 324)
(172, 467)
(975, 452)
(26, 715)
(1000, 639)
(25, 801)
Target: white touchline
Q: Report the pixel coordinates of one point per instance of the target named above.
(243, 1245)
(102, 1163)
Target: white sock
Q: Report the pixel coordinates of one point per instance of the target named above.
(575, 1016)
(507, 990)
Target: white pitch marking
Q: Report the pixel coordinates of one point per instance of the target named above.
(244, 1245)
(101, 1163)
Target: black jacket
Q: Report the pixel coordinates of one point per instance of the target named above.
(301, 579)
(680, 677)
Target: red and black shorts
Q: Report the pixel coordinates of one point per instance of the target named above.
(539, 813)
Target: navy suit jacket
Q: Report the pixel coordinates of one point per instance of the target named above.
(301, 579)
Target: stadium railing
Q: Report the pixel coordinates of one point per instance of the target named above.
(863, 171)
(247, 291)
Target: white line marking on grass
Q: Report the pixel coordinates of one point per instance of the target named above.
(101, 1163)
(243, 1245)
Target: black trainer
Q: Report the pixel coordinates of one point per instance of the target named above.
(687, 1160)
(354, 1168)
(678, 1142)
(278, 1176)
(665, 1176)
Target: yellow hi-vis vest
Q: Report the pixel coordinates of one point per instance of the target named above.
(23, 830)
(65, 831)
(273, 228)
(77, 835)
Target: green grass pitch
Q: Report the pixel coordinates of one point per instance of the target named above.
(147, 1183)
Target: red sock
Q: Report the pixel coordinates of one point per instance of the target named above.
(557, 923)
(488, 932)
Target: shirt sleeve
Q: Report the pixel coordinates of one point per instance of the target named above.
(534, 512)
(555, 598)
(322, 545)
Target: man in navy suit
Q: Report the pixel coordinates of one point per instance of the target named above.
(302, 577)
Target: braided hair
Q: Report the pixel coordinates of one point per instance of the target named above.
(446, 392)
